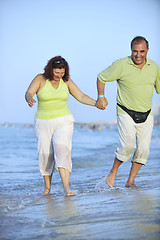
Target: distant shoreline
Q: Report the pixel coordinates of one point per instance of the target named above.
(86, 125)
(91, 125)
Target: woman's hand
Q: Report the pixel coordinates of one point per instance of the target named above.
(33, 88)
(31, 102)
(101, 103)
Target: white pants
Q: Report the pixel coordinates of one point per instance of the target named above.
(54, 143)
(134, 136)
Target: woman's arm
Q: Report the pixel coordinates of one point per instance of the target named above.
(78, 94)
(32, 89)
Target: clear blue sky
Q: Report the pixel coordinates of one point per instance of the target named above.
(90, 35)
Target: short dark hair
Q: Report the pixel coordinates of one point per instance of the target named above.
(56, 62)
(139, 39)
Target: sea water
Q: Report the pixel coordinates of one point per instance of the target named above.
(96, 211)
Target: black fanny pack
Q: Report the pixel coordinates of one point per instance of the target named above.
(138, 117)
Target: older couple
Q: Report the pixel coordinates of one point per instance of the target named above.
(136, 78)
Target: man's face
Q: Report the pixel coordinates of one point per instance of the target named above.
(139, 53)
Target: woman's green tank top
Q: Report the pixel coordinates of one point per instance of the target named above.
(52, 103)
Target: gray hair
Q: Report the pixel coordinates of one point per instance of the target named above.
(139, 39)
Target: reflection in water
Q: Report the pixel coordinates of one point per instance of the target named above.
(65, 217)
(144, 207)
(96, 212)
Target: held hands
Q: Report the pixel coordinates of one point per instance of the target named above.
(101, 103)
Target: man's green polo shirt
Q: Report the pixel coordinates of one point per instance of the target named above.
(135, 86)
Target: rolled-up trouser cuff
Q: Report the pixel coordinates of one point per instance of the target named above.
(141, 161)
(122, 158)
(134, 138)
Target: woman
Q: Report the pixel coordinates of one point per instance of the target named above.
(54, 120)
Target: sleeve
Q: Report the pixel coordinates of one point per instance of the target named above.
(157, 83)
(111, 73)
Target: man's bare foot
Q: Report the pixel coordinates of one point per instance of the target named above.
(130, 184)
(46, 191)
(110, 179)
(69, 193)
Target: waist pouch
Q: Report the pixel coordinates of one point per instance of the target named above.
(138, 117)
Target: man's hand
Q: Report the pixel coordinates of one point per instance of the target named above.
(101, 103)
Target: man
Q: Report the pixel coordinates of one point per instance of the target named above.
(136, 77)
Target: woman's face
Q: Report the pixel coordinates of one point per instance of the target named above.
(58, 73)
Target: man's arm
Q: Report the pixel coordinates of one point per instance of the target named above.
(101, 101)
(157, 83)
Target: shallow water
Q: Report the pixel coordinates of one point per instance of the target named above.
(96, 212)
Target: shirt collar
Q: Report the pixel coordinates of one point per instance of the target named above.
(130, 61)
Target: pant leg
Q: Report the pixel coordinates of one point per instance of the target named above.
(143, 134)
(62, 142)
(127, 137)
(44, 131)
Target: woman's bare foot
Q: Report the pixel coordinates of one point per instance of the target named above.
(130, 184)
(69, 193)
(110, 179)
(46, 191)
